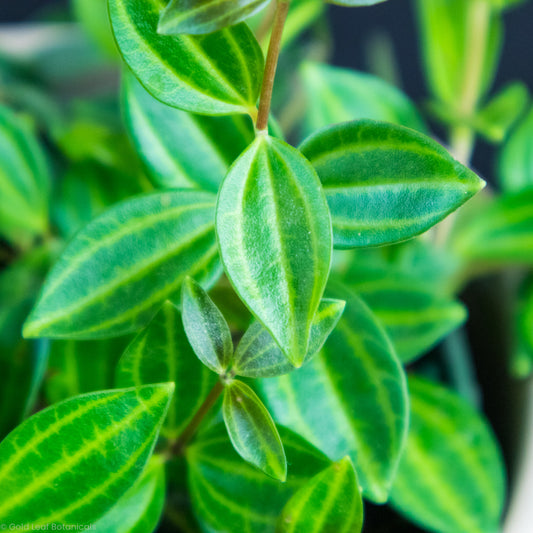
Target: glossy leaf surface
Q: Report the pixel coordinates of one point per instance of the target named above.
(94, 446)
(336, 94)
(106, 284)
(258, 355)
(206, 328)
(252, 430)
(502, 232)
(161, 353)
(24, 181)
(230, 495)
(349, 400)
(140, 508)
(451, 476)
(274, 233)
(385, 183)
(216, 74)
(198, 17)
(181, 149)
(329, 503)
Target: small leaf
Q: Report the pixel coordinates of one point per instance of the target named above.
(140, 508)
(336, 94)
(451, 476)
(501, 233)
(105, 284)
(94, 446)
(385, 183)
(349, 400)
(252, 430)
(216, 74)
(205, 16)
(230, 495)
(258, 355)
(516, 160)
(522, 360)
(274, 234)
(329, 503)
(206, 328)
(181, 149)
(161, 353)
(24, 181)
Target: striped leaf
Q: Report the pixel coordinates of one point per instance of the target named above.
(230, 495)
(336, 94)
(205, 16)
(451, 477)
(414, 314)
(206, 328)
(501, 233)
(77, 367)
(329, 503)
(258, 355)
(181, 149)
(106, 284)
(385, 183)
(349, 400)
(161, 353)
(93, 446)
(215, 74)
(252, 430)
(516, 160)
(140, 508)
(24, 181)
(274, 233)
(522, 360)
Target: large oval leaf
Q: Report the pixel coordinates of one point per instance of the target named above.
(181, 149)
(385, 183)
(349, 400)
(451, 476)
(161, 353)
(274, 232)
(24, 181)
(230, 495)
(205, 16)
(329, 503)
(94, 446)
(106, 283)
(336, 94)
(216, 74)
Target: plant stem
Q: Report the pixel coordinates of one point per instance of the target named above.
(189, 432)
(271, 64)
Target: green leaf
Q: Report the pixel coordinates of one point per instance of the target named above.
(349, 400)
(414, 314)
(501, 233)
(206, 328)
(451, 477)
(140, 508)
(77, 367)
(258, 355)
(385, 183)
(274, 233)
(252, 430)
(516, 160)
(161, 353)
(215, 74)
(522, 360)
(230, 495)
(181, 149)
(329, 503)
(335, 95)
(105, 284)
(205, 16)
(24, 181)
(94, 446)
(92, 15)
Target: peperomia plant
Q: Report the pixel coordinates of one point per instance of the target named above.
(230, 334)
